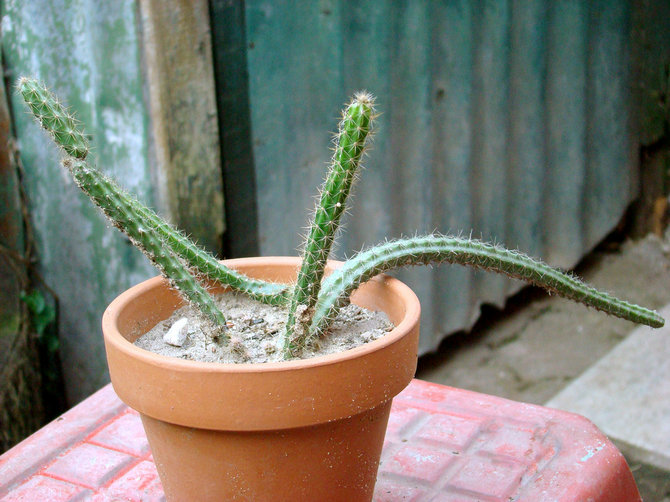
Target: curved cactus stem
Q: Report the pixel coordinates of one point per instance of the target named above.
(194, 257)
(53, 117)
(350, 144)
(207, 265)
(119, 209)
(337, 287)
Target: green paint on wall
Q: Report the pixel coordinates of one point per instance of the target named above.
(88, 53)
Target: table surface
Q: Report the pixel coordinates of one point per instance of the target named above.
(442, 444)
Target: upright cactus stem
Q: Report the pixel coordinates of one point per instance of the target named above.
(313, 301)
(350, 144)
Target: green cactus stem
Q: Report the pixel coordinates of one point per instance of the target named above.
(176, 256)
(350, 145)
(122, 213)
(202, 262)
(45, 107)
(54, 118)
(433, 249)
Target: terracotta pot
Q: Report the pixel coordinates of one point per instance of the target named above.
(298, 430)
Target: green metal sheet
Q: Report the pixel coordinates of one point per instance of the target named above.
(507, 119)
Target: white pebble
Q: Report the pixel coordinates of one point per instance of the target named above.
(177, 334)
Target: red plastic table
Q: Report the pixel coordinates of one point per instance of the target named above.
(442, 444)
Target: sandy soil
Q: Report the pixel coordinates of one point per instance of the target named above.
(255, 333)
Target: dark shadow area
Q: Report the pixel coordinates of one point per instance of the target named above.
(229, 48)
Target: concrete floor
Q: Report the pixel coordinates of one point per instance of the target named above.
(538, 344)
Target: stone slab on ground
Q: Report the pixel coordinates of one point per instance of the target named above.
(627, 394)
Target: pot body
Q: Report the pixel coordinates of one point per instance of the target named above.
(308, 430)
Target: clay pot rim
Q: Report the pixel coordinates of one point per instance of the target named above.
(113, 336)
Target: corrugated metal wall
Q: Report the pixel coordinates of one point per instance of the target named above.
(507, 119)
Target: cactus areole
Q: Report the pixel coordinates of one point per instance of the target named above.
(313, 299)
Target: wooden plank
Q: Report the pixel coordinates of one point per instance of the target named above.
(651, 66)
(611, 171)
(409, 141)
(526, 160)
(489, 166)
(87, 52)
(13, 274)
(452, 137)
(567, 40)
(651, 85)
(296, 96)
(184, 145)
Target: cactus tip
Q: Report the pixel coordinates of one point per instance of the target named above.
(364, 97)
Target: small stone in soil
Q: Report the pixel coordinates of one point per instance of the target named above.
(177, 333)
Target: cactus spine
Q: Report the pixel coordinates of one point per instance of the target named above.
(313, 301)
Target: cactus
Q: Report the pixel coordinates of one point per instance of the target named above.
(313, 302)
(349, 146)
